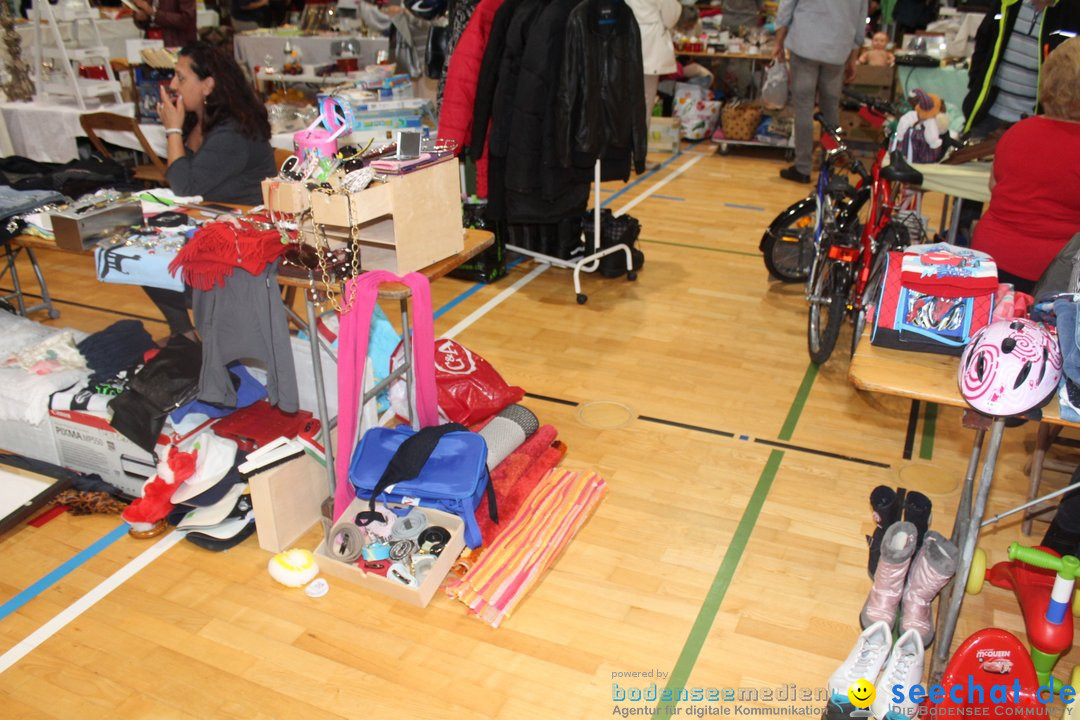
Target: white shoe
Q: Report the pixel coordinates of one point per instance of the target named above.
(904, 669)
(865, 660)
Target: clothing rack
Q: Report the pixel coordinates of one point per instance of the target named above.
(590, 262)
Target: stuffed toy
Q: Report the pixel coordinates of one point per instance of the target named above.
(919, 131)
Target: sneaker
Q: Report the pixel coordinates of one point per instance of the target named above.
(903, 670)
(791, 173)
(863, 663)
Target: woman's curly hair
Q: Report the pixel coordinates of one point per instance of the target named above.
(1060, 83)
(232, 98)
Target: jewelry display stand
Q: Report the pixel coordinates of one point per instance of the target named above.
(75, 16)
(590, 262)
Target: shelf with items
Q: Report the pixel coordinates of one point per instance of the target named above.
(84, 69)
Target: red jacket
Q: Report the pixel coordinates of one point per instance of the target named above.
(456, 112)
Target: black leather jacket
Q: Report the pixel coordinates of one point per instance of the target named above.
(993, 35)
(600, 110)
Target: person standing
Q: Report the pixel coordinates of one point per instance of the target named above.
(175, 19)
(824, 38)
(655, 19)
(1010, 45)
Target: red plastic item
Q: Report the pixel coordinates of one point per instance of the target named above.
(1032, 586)
(259, 423)
(989, 657)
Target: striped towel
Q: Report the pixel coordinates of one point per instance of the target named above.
(529, 544)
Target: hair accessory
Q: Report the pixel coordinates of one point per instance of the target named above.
(346, 542)
(401, 573)
(317, 588)
(408, 527)
(402, 549)
(433, 539)
(376, 551)
(174, 131)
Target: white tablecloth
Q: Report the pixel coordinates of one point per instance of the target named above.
(968, 181)
(252, 49)
(46, 131)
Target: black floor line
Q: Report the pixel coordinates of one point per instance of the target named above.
(687, 426)
(727, 434)
(823, 453)
(58, 301)
(548, 398)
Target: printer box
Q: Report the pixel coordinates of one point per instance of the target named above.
(87, 443)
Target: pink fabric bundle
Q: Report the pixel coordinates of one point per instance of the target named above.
(217, 248)
(529, 544)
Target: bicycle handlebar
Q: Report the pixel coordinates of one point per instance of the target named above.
(876, 104)
(1067, 566)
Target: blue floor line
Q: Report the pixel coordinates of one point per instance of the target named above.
(458, 300)
(644, 176)
(62, 571)
(742, 207)
(668, 197)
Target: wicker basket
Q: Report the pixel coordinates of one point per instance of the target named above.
(740, 120)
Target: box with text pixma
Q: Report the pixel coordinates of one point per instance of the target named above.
(87, 443)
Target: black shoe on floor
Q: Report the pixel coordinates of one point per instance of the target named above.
(791, 173)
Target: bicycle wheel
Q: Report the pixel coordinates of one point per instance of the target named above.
(828, 306)
(788, 245)
(893, 236)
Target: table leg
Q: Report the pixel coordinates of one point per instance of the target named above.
(320, 391)
(968, 529)
(406, 348)
(954, 222)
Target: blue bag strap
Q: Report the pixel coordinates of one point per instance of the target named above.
(409, 460)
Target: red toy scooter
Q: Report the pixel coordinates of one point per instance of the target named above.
(1043, 584)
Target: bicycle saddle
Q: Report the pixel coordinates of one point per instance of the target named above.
(898, 170)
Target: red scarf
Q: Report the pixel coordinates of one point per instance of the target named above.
(217, 248)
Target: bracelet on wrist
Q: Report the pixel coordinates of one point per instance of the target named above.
(173, 131)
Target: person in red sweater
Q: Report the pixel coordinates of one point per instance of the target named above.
(173, 19)
(1035, 185)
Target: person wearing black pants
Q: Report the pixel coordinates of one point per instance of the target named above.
(174, 305)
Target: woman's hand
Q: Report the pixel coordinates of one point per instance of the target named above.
(144, 9)
(171, 111)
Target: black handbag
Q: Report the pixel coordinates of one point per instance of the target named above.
(167, 381)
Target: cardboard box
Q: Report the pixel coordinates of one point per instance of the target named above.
(32, 441)
(873, 75)
(87, 443)
(287, 198)
(418, 596)
(663, 134)
(287, 500)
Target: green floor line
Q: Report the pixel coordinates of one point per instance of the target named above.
(702, 247)
(703, 623)
(926, 447)
(799, 402)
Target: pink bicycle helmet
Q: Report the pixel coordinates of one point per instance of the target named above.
(1010, 367)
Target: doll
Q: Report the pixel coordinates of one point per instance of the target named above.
(878, 53)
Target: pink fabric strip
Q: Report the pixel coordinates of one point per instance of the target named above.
(352, 354)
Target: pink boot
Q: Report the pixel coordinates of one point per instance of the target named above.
(933, 567)
(897, 547)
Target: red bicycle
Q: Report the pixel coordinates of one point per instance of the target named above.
(849, 264)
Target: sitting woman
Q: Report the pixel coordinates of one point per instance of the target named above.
(218, 138)
(1035, 184)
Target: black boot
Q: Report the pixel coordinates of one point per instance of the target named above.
(917, 509)
(886, 505)
(1063, 535)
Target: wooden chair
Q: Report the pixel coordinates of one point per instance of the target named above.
(92, 122)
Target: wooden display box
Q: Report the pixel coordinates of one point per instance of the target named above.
(405, 224)
(287, 198)
(419, 596)
(874, 81)
(287, 501)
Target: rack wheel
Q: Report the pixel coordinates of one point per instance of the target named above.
(631, 275)
(582, 298)
(53, 313)
(977, 574)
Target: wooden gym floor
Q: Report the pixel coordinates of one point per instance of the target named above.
(729, 552)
